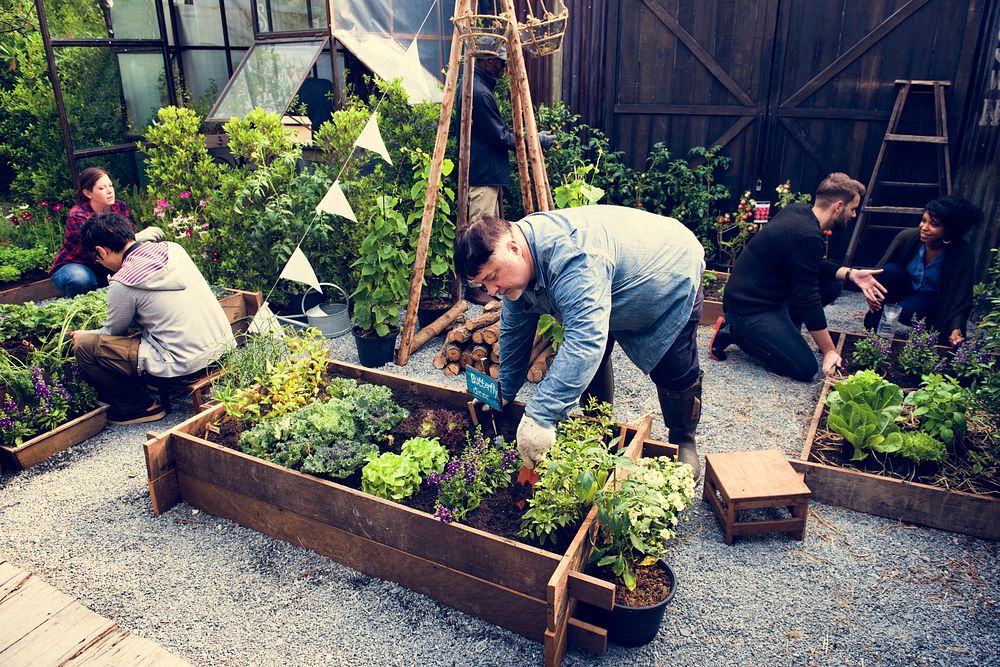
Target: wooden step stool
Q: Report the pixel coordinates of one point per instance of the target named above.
(749, 480)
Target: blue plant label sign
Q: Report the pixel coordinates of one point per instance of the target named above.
(483, 387)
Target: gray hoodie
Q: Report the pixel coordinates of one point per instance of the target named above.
(183, 326)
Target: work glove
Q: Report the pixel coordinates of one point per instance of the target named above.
(150, 234)
(534, 441)
(546, 139)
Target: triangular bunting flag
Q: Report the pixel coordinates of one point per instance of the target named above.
(371, 139)
(300, 270)
(266, 322)
(335, 203)
(417, 82)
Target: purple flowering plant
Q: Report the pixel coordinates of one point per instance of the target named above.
(972, 359)
(41, 402)
(872, 352)
(919, 355)
(484, 466)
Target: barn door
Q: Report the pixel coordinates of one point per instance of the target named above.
(833, 73)
(690, 74)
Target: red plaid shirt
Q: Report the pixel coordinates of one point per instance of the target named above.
(71, 251)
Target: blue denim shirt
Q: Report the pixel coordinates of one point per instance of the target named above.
(925, 278)
(598, 269)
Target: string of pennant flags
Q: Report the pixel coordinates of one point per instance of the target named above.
(334, 202)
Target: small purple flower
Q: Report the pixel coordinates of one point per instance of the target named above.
(509, 458)
(444, 514)
(451, 468)
(470, 472)
(434, 480)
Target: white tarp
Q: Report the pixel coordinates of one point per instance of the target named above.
(384, 56)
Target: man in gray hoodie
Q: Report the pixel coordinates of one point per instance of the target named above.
(157, 286)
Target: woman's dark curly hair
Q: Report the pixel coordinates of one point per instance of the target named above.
(956, 214)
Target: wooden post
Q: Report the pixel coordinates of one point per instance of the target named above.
(465, 141)
(438, 326)
(522, 159)
(433, 181)
(519, 78)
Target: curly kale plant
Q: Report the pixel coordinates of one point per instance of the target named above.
(863, 409)
(940, 404)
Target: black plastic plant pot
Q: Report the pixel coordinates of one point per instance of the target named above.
(630, 626)
(375, 351)
(427, 315)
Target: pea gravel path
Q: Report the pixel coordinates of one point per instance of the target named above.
(860, 590)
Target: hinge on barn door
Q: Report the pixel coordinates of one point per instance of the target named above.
(937, 141)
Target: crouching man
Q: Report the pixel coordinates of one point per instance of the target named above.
(156, 285)
(609, 274)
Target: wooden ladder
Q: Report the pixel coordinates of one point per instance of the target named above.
(892, 137)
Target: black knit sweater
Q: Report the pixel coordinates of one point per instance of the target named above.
(782, 264)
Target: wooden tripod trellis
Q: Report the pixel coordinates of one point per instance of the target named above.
(535, 191)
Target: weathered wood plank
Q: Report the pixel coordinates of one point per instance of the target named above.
(25, 609)
(904, 501)
(505, 562)
(36, 291)
(516, 611)
(52, 442)
(122, 648)
(64, 635)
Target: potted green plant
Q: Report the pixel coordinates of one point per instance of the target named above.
(385, 260)
(637, 517)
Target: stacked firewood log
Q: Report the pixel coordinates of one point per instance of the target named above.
(475, 343)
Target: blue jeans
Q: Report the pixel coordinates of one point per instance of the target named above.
(74, 279)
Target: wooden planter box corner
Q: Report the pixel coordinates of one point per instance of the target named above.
(36, 291)
(520, 587)
(52, 442)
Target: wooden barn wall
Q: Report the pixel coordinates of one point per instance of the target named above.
(583, 65)
(978, 174)
(792, 89)
(539, 69)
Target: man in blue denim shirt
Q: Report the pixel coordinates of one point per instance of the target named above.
(607, 273)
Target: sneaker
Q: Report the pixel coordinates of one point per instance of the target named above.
(721, 339)
(140, 416)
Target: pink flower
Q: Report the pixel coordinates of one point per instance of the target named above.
(162, 203)
(186, 194)
(202, 203)
(57, 207)
(43, 203)
(189, 233)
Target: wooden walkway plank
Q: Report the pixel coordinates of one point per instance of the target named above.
(28, 607)
(63, 635)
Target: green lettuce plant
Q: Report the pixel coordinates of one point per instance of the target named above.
(922, 447)
(940, 404)
(863, 408)
(428, 453)
(390, 476)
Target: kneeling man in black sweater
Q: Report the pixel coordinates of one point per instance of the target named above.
(781, 281)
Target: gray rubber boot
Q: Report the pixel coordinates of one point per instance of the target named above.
(681, 413)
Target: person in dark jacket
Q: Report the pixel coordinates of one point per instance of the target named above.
(775, 285)
(929, 270)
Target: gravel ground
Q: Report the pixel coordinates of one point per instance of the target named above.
(860, 590)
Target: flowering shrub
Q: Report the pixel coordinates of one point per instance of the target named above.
(872, 352)
(732, 231)
(53, 399)
(919, 355)
(484, 466)
(34, 225)
(640, 515)
(972, 359)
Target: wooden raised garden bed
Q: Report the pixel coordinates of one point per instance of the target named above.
(520, 587)
(52, 442)
(38, 290)
(912, 502)
(712, 306)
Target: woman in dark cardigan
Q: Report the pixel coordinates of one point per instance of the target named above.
(929, 270)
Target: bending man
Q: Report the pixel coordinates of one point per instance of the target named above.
(608, 273)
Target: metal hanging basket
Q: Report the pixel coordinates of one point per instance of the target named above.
(543, 36)
(482, 35)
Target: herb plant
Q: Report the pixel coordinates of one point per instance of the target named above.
(14, 261)
(940, 404)
(639, 515)
(578, 464)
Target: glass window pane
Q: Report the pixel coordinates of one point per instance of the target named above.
(200, 24)
(407, 17)
(92, 93)
(125, 175)
(268, 78)
(205, 73)
(240, 22)
(285, 15)
(134, 19)
(144, 88)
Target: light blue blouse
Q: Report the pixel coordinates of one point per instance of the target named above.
(598, 269)
(925, 278)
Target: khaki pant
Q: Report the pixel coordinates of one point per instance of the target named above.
(485, 200)
(111, 363)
